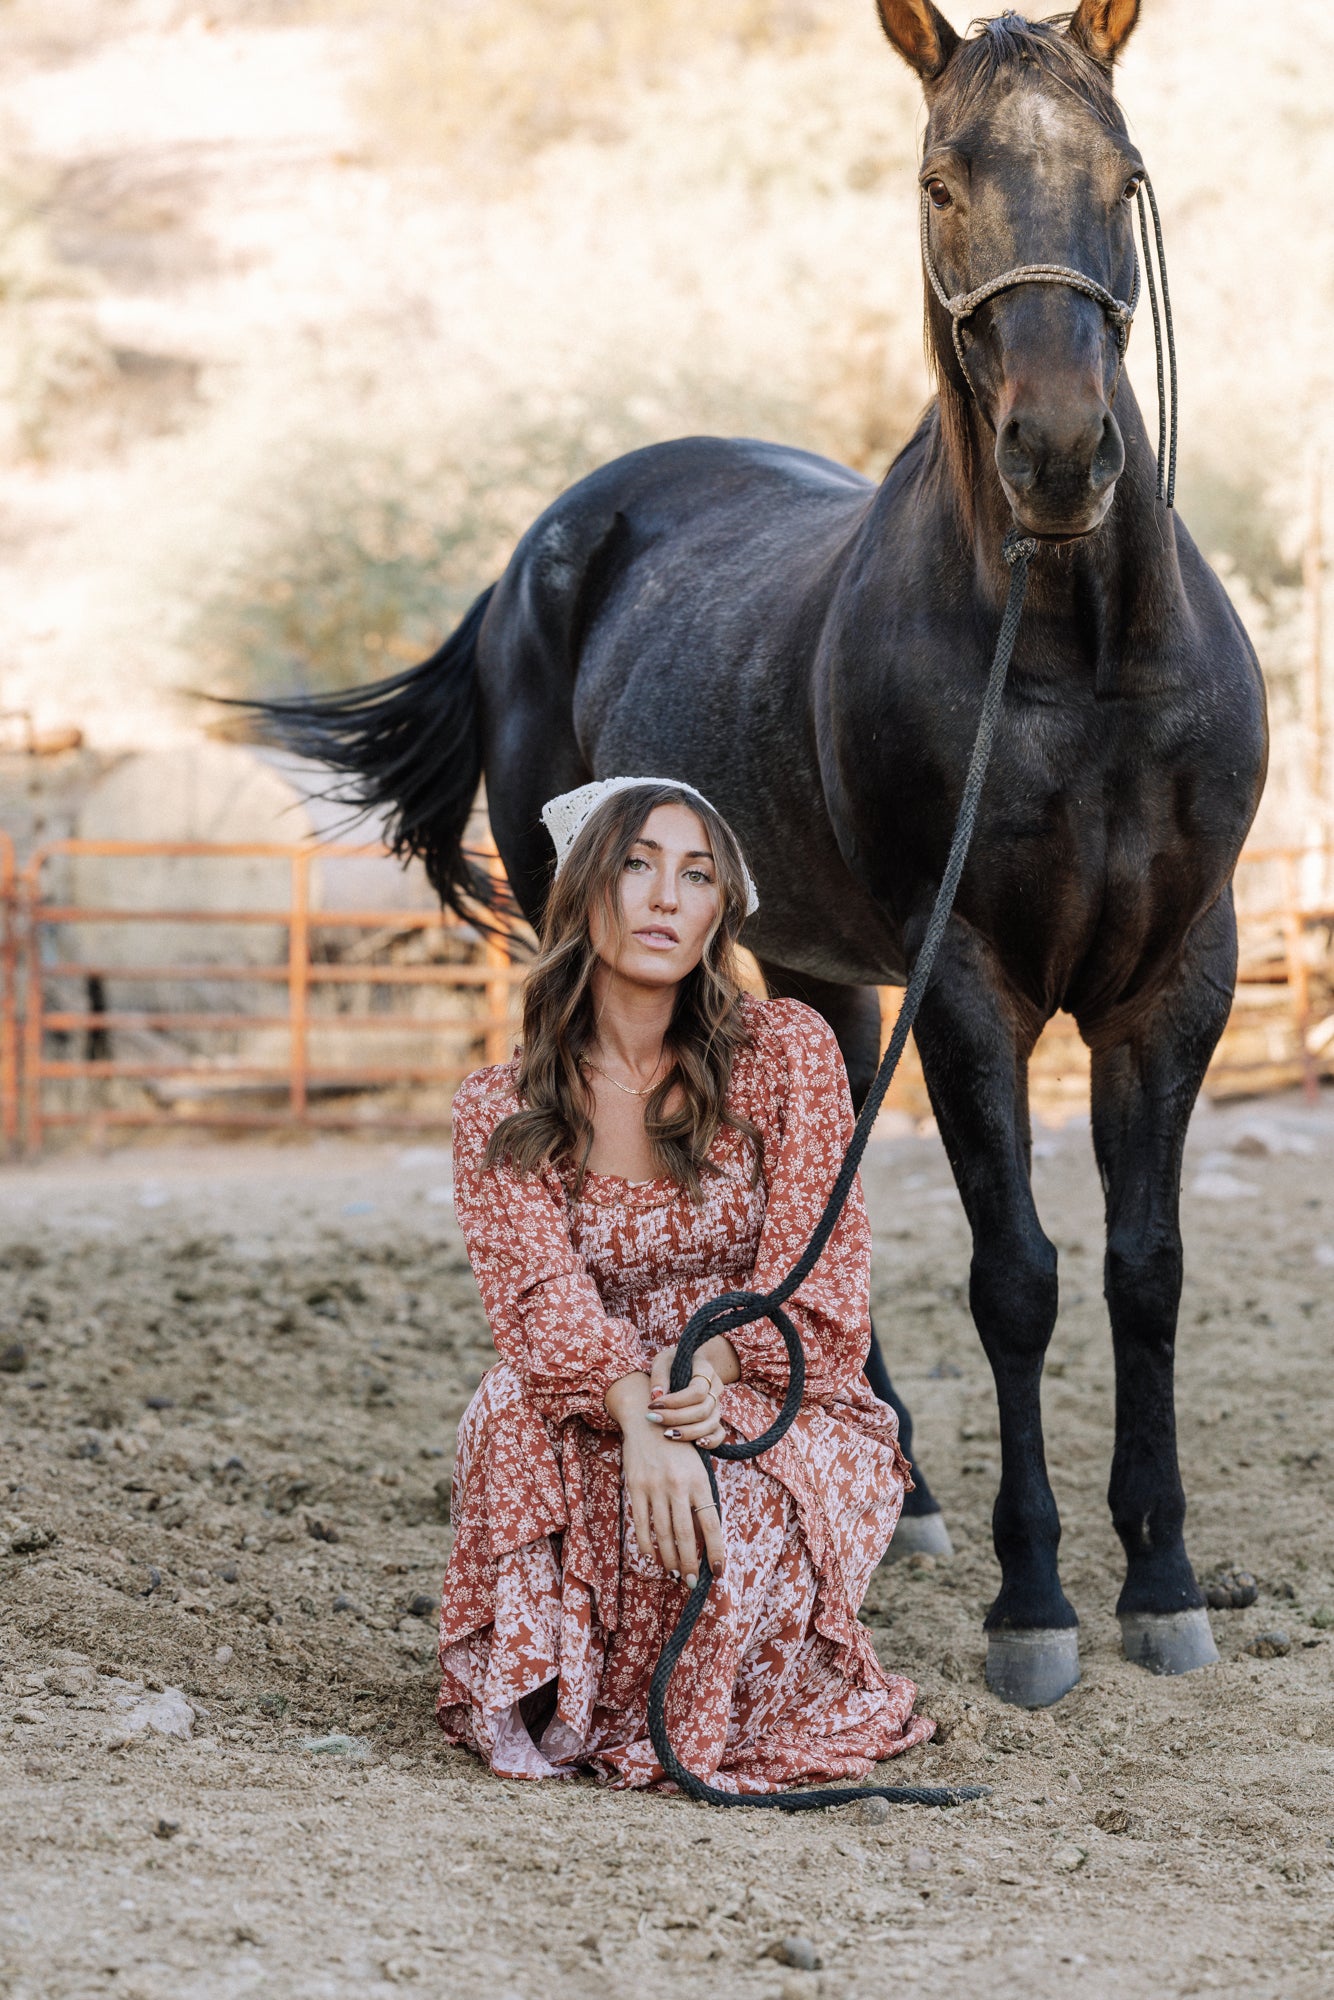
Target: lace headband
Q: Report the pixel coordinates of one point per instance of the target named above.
(565, 817)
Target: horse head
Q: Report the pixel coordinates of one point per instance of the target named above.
(1027, 163)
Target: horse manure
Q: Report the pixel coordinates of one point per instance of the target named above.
(1230, 1590)
(1269, 1645)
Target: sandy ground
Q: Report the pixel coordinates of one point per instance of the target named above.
(240, 1374)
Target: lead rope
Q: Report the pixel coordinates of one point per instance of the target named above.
(736, 1309)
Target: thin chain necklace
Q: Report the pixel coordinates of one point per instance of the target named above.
(624, 1087)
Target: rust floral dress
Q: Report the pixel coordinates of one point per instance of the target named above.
(779, 1683)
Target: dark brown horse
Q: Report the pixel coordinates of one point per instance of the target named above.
(810, 650)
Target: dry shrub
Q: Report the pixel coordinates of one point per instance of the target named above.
(483, 88)
(51, 354)
(360, 561)
(345, 582)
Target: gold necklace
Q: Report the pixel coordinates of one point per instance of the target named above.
(625, 1087)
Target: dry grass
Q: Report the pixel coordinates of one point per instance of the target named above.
(431, 260)
(482, 88)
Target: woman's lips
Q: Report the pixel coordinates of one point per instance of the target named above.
(658, 939)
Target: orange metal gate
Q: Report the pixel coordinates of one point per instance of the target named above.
(35, 925)
(46, 994)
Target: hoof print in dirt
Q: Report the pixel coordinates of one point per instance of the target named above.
(1115, 1819)
(1269, 1645)
(26, 1538)
(1230, 1589)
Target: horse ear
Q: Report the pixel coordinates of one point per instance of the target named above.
(920, 33)
(1103, 27)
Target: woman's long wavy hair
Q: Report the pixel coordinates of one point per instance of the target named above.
(689, 1107)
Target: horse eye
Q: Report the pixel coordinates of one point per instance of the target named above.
(939, 193)
(1132, 188)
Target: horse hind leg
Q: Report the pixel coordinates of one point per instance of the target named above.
(853, 1012)
(1144, 1090)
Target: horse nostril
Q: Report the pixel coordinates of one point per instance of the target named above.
(1109, 458)
(1015, 458)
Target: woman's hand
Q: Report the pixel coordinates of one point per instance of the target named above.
(671, 1504)
(693, 1414)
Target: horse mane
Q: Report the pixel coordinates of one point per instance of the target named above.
(998, 46)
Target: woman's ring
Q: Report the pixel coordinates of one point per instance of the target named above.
(705, 1507)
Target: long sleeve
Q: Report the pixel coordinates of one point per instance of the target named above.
(547, 1318)
(805, 1141)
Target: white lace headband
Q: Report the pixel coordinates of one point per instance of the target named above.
(566, 816)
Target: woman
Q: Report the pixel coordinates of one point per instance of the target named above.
(660, 1138)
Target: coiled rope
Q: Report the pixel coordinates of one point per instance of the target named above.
(735, 1309)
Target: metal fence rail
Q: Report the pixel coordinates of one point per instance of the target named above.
(53, 993)
(486, 970)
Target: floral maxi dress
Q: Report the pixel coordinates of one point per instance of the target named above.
(545, 1581)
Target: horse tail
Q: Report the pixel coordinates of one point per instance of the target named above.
(411, 748)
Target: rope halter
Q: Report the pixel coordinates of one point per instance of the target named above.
(1121, 312)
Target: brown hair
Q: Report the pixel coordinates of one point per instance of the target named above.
(707, 1029)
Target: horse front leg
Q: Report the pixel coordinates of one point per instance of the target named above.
(853, 1013)
(1145, 1083)
(975, 1036)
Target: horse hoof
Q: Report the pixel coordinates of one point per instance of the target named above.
(920, 1535)
(1033, 1669)
(1168, 1642)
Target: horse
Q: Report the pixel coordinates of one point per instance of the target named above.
(810, 649)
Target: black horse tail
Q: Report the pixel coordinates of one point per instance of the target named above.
(412, 749)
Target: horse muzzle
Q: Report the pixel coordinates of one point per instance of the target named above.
(1059, 469)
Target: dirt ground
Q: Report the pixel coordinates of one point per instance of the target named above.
(229, 1378)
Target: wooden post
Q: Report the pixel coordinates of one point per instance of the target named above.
(31, 893)
(1299, 980)
(496, 992)
(9, 1055)
(298, 983)
(1313, 667)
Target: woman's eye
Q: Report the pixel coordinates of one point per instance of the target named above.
(939, 194)
(636, 861)
(699, 875)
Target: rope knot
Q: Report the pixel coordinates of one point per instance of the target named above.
(1018, 546)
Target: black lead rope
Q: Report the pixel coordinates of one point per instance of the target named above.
(736, 1309)
(1167, 433)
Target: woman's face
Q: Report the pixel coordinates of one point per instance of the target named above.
(669, 903)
